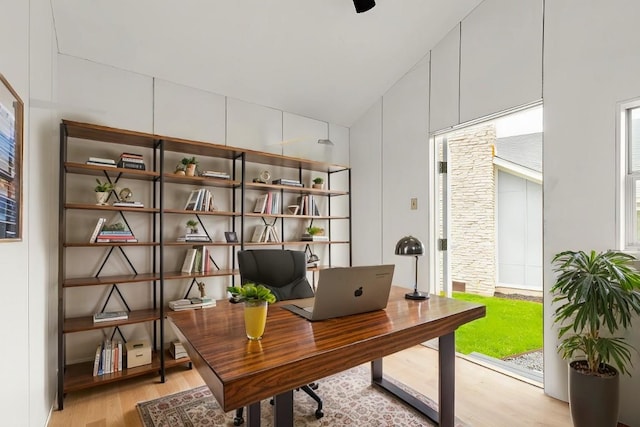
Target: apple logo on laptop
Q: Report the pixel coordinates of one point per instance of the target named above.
(358, 292)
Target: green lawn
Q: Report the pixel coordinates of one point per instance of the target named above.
(510, 327)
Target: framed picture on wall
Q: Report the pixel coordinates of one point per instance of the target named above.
(11, 130)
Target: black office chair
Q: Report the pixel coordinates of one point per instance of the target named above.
(284, 272)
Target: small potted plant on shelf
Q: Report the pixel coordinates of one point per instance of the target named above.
(192, 226)
(180, 169)
(596, 295)
(103, 190)
(189, 164)
(318, 182)
(256, 300)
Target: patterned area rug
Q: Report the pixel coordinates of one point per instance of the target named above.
(348, 399)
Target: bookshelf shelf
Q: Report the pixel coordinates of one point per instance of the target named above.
(85, 323)
(79, 376)
(109, 280)
(162, 188)
(86, 206)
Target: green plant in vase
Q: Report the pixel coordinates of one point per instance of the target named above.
(103, 190)
(256, 300)
(192, 226)
(596, 296)
(318, 182)
(189, 164)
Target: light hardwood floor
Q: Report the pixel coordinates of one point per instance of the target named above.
(484, 397)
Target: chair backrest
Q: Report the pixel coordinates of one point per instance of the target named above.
(281, 270)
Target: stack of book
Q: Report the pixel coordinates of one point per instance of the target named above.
(196, 260)
(98, 161)
(110, 316)
(108, 358)
(116, 233)
(284, 181)
(125, 204)
(116, 236)
(194, 237)
(191, 304)
(131, 161)
(200, 200)
(215, 174)
(177, 350)
(306, 237)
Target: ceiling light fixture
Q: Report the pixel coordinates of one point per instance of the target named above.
(363, 5)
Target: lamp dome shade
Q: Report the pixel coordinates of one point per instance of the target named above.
(363, 5)
(409, 245)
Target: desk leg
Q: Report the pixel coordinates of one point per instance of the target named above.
(447, 382)
(283, 409)
(253, 415)
(378, 380)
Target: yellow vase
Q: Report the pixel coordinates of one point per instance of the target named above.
(255, 318)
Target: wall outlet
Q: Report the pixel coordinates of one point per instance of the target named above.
(414, 203)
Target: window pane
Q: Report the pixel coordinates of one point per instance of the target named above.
(636, 216)
(634, 138)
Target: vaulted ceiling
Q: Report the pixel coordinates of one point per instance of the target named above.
(319, 59)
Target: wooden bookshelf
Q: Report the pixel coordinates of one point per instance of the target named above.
(157, 150)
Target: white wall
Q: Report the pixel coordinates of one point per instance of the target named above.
(27, 323)
(591, 62)
(367, 175)
(405, 174)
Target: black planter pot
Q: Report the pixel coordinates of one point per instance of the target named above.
(594, 400)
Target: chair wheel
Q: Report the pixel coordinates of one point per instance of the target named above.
(319, 414)
(313, 386)
(238, 421)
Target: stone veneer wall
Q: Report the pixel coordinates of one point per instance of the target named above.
(472, 210)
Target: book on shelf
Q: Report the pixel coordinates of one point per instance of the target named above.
(314, 238)
(268, 203)
(308, 206)
(127, 164)
(189, 258)
(98, 161)
(177, 351)
(101, 160)
(258, 233)
(129, 204)
(265, 233)
(133, 158)
(200, 200)
(191, 304)
(110, 316)
(108, 359)
(290, 182)
(261, 204)
(215, 174)
(97, 228)
(194, 237)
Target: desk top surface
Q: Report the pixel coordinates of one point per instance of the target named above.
(294, 351)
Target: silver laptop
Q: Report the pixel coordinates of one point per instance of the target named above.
(343, 291)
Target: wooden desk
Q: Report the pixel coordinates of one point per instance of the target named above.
(294, 352)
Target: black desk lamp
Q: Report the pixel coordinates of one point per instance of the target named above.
(411, 246)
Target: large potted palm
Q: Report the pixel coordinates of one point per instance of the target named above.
(597, 295)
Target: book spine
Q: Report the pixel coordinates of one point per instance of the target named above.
(131, 165)
(131, 159)
(96, 361)
(97, 229)
(119, 355)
